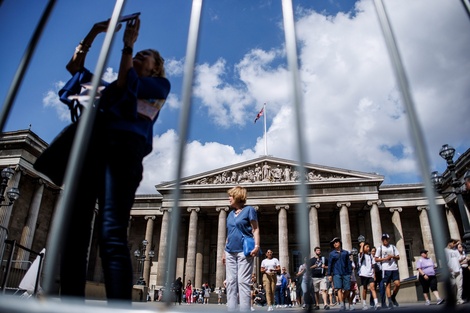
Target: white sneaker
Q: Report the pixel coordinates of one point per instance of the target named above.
(252, 309)
(428, 302)
(365, 307)
(270, 308)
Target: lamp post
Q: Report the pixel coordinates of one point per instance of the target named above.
(140, 256)
(12, 194)
(447, 153)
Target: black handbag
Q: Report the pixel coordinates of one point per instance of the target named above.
(53, 161)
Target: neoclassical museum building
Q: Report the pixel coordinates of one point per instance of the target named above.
(340, 203)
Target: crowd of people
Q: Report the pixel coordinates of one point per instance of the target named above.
(341, 277)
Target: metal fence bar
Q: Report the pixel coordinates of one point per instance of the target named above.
(302, 222)
(24, 64)
(419, 144)
(191, 51)
(76, 160)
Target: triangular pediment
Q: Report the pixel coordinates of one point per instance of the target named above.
(271, 170)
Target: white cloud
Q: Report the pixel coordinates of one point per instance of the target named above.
(353, 114)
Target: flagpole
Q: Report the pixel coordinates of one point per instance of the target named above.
(265, 138)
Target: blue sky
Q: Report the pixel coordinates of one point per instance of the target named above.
(354, 117)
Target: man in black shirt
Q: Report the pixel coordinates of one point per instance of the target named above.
(318, 268)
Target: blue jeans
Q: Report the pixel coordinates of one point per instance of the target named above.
(279, 295)
(113, 183)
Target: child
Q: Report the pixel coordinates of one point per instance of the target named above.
(367, 274)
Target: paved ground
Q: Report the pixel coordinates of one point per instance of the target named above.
(10, 304)
(202, 308)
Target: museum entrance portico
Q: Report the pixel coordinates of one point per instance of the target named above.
(341, 203)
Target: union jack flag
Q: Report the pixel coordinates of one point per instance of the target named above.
(259, 114)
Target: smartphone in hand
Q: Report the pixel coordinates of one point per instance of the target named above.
(128, 17)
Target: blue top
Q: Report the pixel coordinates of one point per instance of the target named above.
(236, 225)
(339, 263)
(119, 105)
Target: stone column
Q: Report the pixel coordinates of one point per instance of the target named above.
(376, 225)
(162, 247)
(30, 226)
(400, 243)
(200, 252)
(221, 239)
(344, 224)
(314, 229)
(283, 235)
(149, 237)
(192, 236)
(426, 232)
(452, 223)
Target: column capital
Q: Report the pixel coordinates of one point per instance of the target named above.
(194, 208)
(19, 168)
(282, 206)
(313, 205)
(148, 217)
(421, 208)
(163, 209)
(340, 204)
(372, 202)
(222, 208)
(399, 210)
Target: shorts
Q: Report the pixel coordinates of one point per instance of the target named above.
(319, 283)
(366, 281)
(390, 276)
(342, 282)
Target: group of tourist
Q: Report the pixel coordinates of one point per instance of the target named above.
(322, 278)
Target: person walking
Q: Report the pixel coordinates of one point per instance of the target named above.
(122, 135)
(378, 286)
(269, 268)
(453, 264)
(427, 277)
(306, 284)
(388, 255)
(464, 260)
(178, 290)
(339, 272)
(188, 290)
(287, 298)
(318, 268)
(242, 222)
(367, 274)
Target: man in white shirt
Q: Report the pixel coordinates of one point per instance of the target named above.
(453, 263)
(388, 255)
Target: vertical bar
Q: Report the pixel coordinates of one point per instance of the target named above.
(466, 5)
(419, 144)
(76, 160)
(15, 85)
(191, 52)
(302, 221)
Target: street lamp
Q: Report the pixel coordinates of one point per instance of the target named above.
(12, 194)
(140, 256)
(447, 153)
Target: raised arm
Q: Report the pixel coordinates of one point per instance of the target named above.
(77, 61)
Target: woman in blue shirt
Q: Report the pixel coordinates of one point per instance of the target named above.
(122, 137)
(241, 221)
